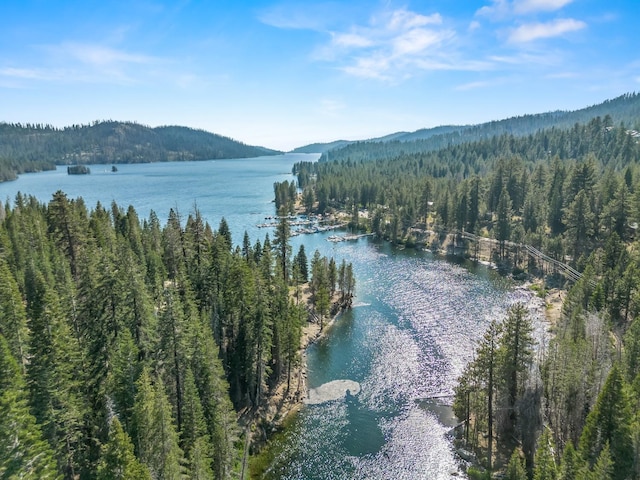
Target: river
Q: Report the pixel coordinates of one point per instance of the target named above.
(399, 351)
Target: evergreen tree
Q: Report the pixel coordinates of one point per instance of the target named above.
(195, 438)
(156, 436)
(571, 464)
(544, 462)
(13, 317)
(122, 377)
(610, 423)
(282, 246)
(486, 370)
(225, 232)
(53, 376)
(604, 467)
(516, 354)
(579, 223)
(515, 468)
(503, 223)
(218, 412)
(23, 451)
(117, 461)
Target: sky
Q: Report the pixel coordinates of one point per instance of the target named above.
(283, 74)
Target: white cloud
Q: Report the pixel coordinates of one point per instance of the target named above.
(474, 25)
(100, 56)
(370, 67)
(393, 44)
(534, 31)
(23, 73)
(474, 85)
(497, 10)
(500, 9)
(404, 19)
(301, 16)
(351, 40)
(531, 6)
(417, 41)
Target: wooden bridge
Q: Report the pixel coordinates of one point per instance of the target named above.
(568, 271)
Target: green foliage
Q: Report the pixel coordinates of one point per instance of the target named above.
(120, 328)
(495, 380)
(33, 148)
(515, 468)
(544, 462)
(117, 460)
(608, 426)
(23, 451)
(156, 436)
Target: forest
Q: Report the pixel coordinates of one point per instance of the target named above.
(34, 148)
(568, 409)
(621, 110)
(128, 347)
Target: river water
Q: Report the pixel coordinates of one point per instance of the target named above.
(383, 373)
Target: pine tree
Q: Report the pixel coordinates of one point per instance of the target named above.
(218, 412)
(23, 451)
(117, 461)
(571, 464)
(604, 468)
(610, 423)
(195, 438)
(516, 349)
(515, 468)
(544, 462)
(156, 436)
(282, 246)
(486, 369)
(53, 375)
(579, 220)
(173, 351)
(503, 225)
(122, 377)
(13, 317)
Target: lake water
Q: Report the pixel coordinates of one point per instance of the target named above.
(414, 326)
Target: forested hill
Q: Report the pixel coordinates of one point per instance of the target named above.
(621, 110)
(28, 148)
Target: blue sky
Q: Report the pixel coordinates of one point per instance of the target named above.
(284, 73)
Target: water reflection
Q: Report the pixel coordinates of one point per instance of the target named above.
(415, 327)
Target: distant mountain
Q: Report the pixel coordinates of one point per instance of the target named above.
(624, 109)
(25, 148)
(321, 147)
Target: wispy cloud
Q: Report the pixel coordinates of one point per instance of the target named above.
(475, 85)
(75, 62)
(500, 9)
(299, 16)
(555, 28)
(531, 6)
(101, 56)
(391, 45)
(25, 73)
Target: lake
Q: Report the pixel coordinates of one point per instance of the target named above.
(399, 351)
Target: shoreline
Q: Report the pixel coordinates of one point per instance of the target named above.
(281, 405)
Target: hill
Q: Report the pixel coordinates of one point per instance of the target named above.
(321, 147)
(624, 109)
(29, 148)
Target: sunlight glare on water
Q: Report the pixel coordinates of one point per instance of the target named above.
(416, 325)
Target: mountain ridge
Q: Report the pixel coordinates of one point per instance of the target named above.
(624, 108)
(32, 148)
